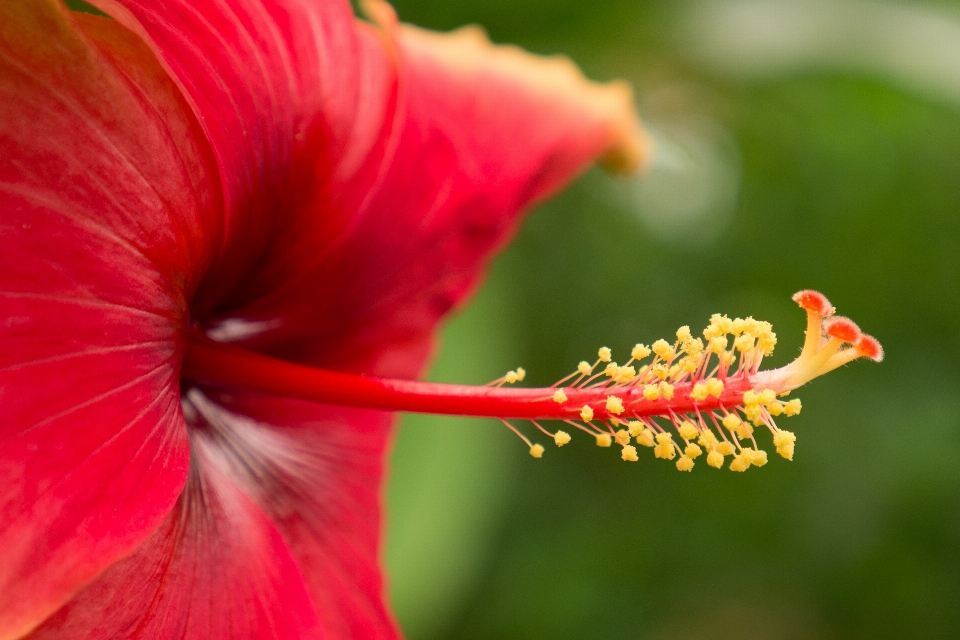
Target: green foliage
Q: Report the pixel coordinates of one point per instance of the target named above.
(83, 7)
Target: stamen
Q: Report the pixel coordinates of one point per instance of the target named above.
(640, 351)
(689, 383)
(693, 451)
(614, 405)
(536, 450)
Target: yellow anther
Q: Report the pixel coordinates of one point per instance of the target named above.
(725, 448)
(724, 323)
(611, 370)
(665, 451)
(718, 344)
(751, 397)
(766, 343)
(737, 326)
(586, 414)
(787, 451)
(604, 354)
(715, 459)
(662, 371)
(768, 396)
(536, 451)
(629, 454)
(559, 396)
(604, 440)
(663, 349)
(673, 371)
(751, 326)
(666, 390)
(743, 343)
(640, 351)
(683, 333)
(645, 438)
(731, 421)
(755, 457)
(687, 430)
(708, 440)
(622, 437)
(785, 441)
(782, 437)
(625, 375)
(693, 347)
(714, 387)
(689, 364)
(684, 463)
(775, 409)
(584, 368)
(754, 413)
(650, 392)
(635, 427)
(521, 373)
(737, 426)
(665, 438)
(792, 408)
(712, 332)
(693, 451)
(614, 405)
(511, 377)
(615, 422)
(739, 463)
(699, 392)
(561, 438)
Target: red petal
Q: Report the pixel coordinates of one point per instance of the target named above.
(101, 185)
(216, 568)
(381, 172)
(317, 472)
(481, 132)
(367, 182)
(281, 520)
(285, 91)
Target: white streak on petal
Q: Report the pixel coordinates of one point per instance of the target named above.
(235, 329)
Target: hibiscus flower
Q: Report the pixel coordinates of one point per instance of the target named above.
(278, 176)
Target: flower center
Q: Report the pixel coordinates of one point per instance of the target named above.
(710, 392)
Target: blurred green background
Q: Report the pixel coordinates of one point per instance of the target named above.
(802, 144)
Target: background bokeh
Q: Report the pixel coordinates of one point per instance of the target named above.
(802, 144)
